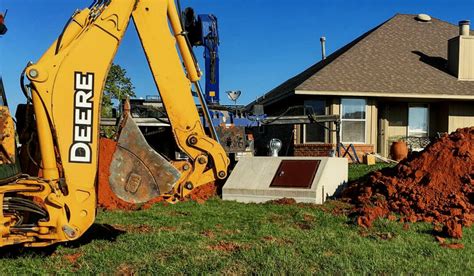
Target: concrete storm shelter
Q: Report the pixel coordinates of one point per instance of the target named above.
(305, 179)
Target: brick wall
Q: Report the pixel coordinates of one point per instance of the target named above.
(313, 149)
(324, 149)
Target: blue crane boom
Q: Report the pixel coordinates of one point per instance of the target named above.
(203, 31)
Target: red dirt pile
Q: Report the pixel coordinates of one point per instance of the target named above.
(436, 185)
(199, 194)
(107, 199)
(202, 193)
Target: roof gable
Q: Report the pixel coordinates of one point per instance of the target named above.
(400, 56)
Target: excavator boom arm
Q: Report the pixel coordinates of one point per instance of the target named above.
(67, 84)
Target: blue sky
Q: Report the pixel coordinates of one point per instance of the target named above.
(263, 42)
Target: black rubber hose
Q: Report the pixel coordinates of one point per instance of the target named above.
(23, 86)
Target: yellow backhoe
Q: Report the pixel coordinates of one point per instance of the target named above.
(58, 202)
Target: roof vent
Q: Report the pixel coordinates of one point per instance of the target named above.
(423, 17)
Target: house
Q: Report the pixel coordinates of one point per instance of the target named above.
(411, 78)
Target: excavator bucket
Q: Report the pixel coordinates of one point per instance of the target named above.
(137, 173)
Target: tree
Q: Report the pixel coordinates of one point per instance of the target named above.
(117, 87)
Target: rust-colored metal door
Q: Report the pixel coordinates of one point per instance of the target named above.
(295, 174)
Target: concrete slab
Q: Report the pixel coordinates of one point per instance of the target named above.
(251, 179)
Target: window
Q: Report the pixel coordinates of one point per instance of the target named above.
(314, 133)
(418, 119)
(353, 117)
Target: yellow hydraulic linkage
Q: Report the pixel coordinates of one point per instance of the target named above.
(66, 89)
(151, 19)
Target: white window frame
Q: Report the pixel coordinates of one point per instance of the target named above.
(304, 126)
(354, 120)
(427, 106)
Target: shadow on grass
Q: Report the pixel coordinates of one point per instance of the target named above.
(433, 232)
(95, 232)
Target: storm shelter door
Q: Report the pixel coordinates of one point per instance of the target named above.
(295, 174)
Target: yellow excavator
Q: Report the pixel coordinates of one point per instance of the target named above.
(58, 202)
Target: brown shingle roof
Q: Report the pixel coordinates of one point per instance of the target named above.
(400, 56)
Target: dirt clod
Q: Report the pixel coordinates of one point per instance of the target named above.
(202, 193)
(72, 258)
(435, 185)
(453, 229)
(283, 201)
(441, 240)
(406, 226)
(125, 269)
(453, 245)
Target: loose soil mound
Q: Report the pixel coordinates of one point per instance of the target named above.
(199, 194)
(435, 186)
(107, 199)
(203, 193)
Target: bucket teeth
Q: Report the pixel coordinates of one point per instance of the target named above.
(137, 172)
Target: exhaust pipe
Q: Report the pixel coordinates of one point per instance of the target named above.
(323, 47)
(464, 27)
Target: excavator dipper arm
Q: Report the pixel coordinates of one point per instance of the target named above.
(67, 84)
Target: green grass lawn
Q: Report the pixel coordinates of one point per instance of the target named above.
(358, 171)
(229, 237)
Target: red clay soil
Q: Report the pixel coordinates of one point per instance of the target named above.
(202, 193)
(436, 185)
(199, 194)
(72, 258)
(107, 199)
